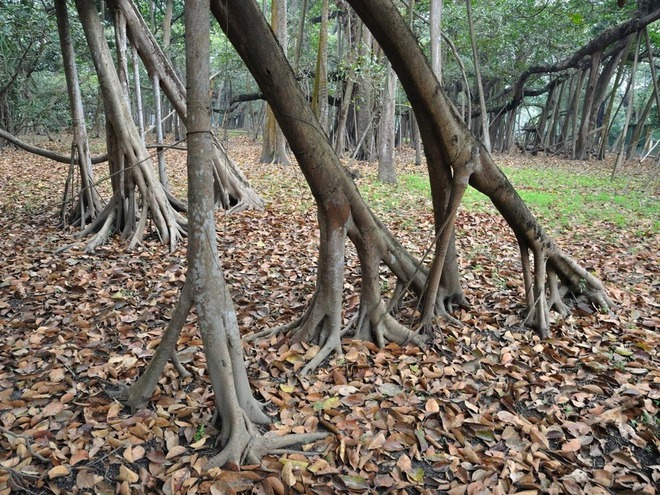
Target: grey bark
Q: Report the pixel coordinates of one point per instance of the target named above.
(386, 165)
(82, 206)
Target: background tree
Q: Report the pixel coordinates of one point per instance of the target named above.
(274, 144)
(130, 163)
(79, 205)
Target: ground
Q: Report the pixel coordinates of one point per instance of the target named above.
(489, 408)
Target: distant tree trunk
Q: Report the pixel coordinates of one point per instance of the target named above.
(480, 88)
(435, 16)
(582, 140)
(631, 104)
(139, 108)
(83, 205)
(301, 35)
(158, 117)
(349, 85)
(364, 101)
(608, 117)
(274, 145)
(386, 166)
(573, 111)
(320, 93)
(551, 137)
(130, 164)
(414, 129)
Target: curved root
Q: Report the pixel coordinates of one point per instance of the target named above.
(245, 446)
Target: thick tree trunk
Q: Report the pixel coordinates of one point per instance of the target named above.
(232, 189)
(130, 163)
(205, 287)
(433, 110)
(341, 209)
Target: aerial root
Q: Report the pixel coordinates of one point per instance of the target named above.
(244, 445)
(268, 332)
(331, 344)
(555, 298)
(138, 394)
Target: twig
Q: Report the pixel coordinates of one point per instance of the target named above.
(27, 443)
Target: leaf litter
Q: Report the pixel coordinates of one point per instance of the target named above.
(490, 409)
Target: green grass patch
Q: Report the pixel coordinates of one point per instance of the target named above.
(558, 196)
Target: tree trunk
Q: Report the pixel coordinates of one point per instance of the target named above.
(81, 206)
(232, 189)
(320, 93)
(485, 127)
(349, 86)
(205, 288)
(274, 145)
(631, 103)
(435, 19)
(364, 101)
(386, 167)
(341, 210)
(582, 140)
(130, 163)
(158, 117)
(139, 108)
(435, 112)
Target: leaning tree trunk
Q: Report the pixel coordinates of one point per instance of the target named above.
(631, 100)
(582, 140)
(232, 189)
(552, 268)
(86, 205)
(130, 163)
(205, 287)
(341, 209)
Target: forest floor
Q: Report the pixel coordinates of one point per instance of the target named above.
(490, 408)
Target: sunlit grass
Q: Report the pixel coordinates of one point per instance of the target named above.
(559, 196)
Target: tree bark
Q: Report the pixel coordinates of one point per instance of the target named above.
(485, 127)
(631, 100)
(205, 287)
(582, 139)
(274, 144)
(435, 20)
(320, 92)
(386, 166)
(82, 206)
(341, 210)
